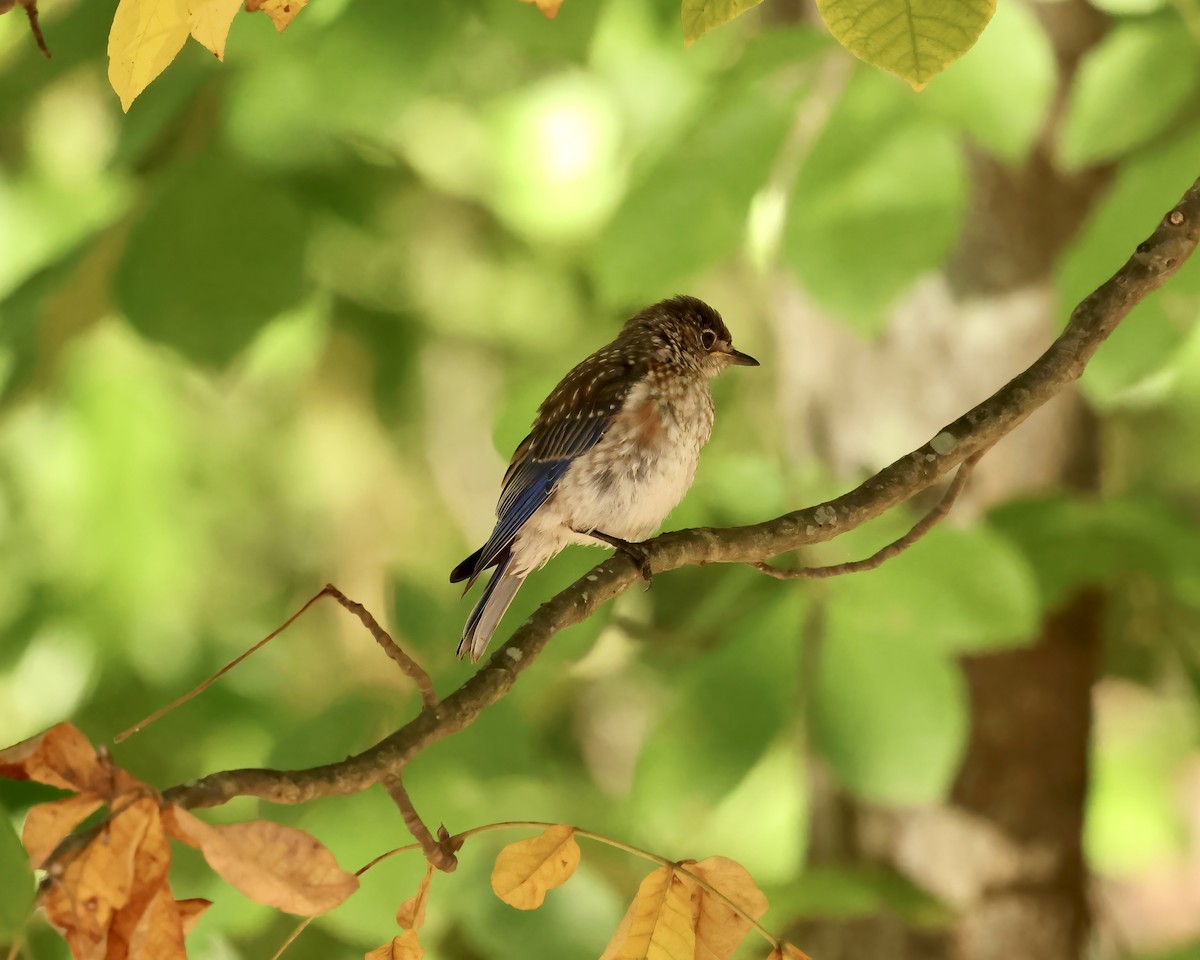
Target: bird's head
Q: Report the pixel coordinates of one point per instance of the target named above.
(692, 332)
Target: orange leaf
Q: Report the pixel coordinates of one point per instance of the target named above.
(525, 870)
(661, 922)
(411, 913)
(548, 7)
(48, 824)
(61, 757)
(190, 911)
(785, 951)
(282, 12)
(719, 927)
(146, 921)
(280, 866)
(88, 887)
(158, 933)
(403, 947)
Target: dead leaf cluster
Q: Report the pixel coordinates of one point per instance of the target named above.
(107, 889)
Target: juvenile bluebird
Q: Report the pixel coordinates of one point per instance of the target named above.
(613, 450)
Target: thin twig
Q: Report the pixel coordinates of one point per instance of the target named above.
(440, 851)
(896, 547)
(461, 838)
(205, 684)
(410, 666)
(31, 11)
(303, 925)
(390, 647)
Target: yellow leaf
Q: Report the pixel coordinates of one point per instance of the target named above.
(411, 913)
(282, 12)
(700, 16)
(525, 870)
(403, 947)
(914, 39)
(660, 924)
(720, 928)
(548, 7)
(210, 21)
(145, 37)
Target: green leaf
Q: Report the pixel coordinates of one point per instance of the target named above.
(16, 880)
(661, 234)
(725, 708)
(914, 39)
(700, 16)
(880, 196)
(999, 95)
(1128, 89)
(889, 716)
(217, 254)
(955, 591)
(1121, 8)
(1071, 543)
(828, 892)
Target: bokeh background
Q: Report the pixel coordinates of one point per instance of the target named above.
(284, 322)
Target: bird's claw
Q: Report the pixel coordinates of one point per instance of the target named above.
(636, 553)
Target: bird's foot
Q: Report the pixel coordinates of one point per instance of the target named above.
(634, 551)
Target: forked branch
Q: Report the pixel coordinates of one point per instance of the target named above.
(1090, 324)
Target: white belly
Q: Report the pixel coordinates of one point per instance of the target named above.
(621, 487)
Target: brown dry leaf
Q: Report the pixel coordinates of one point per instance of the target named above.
(49, 824)
(411, 913)
(785, 951)
(146, 920)
(190, 911)
(720, 928)
(548, 7)
(87, 888)
(282, 12)
(61, 757)
(403, 947)
(210, 21)
(661, 922)
(158, 933)
(144, 38)
(525, 870)
(280, 866)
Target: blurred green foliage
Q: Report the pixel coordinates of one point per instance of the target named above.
(284, 322)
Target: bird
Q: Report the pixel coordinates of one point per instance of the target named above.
(613, 449)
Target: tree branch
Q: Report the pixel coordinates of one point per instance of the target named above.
(440, 851)
(406, 663)
(1092, 321)
(896, 547)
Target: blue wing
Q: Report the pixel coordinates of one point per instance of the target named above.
(572, 420)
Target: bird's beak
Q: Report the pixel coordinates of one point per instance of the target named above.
(737, 358)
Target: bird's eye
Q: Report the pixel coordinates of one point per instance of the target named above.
(708, 339)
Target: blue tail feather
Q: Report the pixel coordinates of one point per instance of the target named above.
(487, 613)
